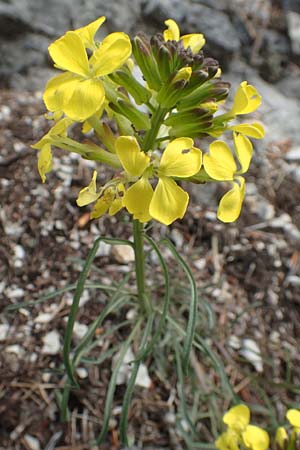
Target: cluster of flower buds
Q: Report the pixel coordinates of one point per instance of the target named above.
(161, 94)
(240, 434)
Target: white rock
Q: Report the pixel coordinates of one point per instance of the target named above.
(103, 249)
(143, 378)
(292, 232)
(32, 442)
(13, 293)
(2, 286)
(46, 377)
(43, 318)
(3, 331)
(33, 357)
(19, 252)
(281, 221)
(177, 238)
(293, 20)
(251, 352)
(294, 280)
(123, 253)
(293, 155)
(82, 372)
(16, 349)
(124, 373)
(200, 263)
(131, 314)
(234, 342)
(79, 330)
(51, 343)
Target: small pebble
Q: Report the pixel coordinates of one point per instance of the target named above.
(51, 343)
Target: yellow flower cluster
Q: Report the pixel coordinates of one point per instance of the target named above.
(153, 151)
(241, 435)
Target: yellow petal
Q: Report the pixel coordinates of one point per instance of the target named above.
(100, 208)
(281, 438)
(293, 416)
(86, 99)
(113, 52)
(219, 164)
(68, 53)
(228, 441)
(88, 194)
(237, 418)
(243, 150)
(173, 32)
(132, 158)
(194, 41)
(137, 199)
(254, 130)
(183, 74)
(87, 33)
(45, 161)
(231, 204)
(58, 90)
(256, 438)
(246, 99)
(59, 129)
(169, 201)
(180, 159)
(116, 206)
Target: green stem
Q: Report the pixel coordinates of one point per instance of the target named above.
(89, 151)
(140, 265)
(156, 121)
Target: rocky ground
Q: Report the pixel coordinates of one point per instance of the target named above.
(248, 272)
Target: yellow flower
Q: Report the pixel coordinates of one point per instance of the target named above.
(246, 99)
(229, 440)
(168, 201)
(194, 41)
(79, 92)
(256, 438)
(281, 438)
(108, 198)
(220, 165)
(293, 416)
(254, 130)
(237, 418)
(44, 145)
(87, 33)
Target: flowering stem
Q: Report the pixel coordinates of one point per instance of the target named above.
(156, 121)
(140, 265)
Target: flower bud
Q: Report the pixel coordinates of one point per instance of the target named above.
(172, 90)
(125, 78)
(144, 57)
(139, 119)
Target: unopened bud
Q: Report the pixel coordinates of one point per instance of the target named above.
(126, 79)
(145, 59)
(139, 119)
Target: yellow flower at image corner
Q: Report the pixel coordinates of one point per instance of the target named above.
(293, 416)
(109, 199)
(281, 438)
(220, 165)
(246, 99)
(229, 440)
(79, 92)
(255, 438)
(44, 145)
(195, 41)
(167, 202)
